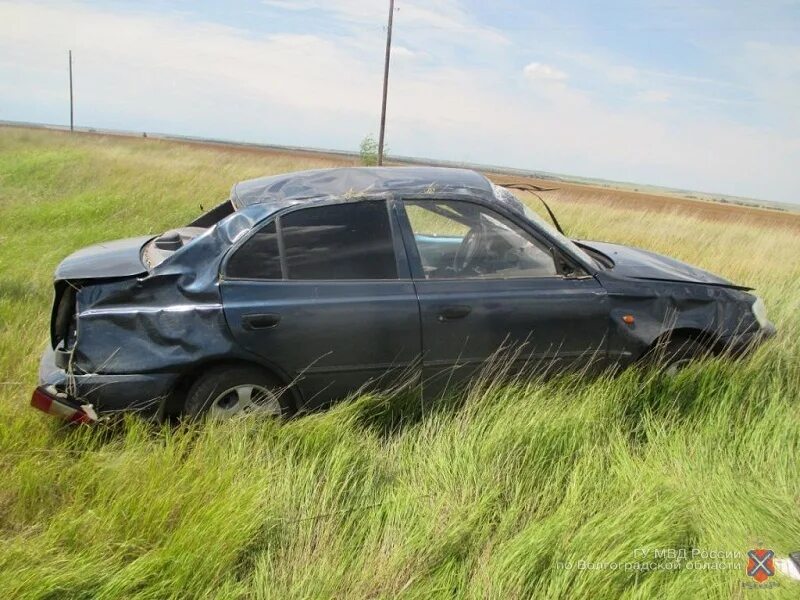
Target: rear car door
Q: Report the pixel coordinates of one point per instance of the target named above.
(324, 294)
(489, 288)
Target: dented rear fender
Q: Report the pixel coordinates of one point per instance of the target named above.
(168, 318)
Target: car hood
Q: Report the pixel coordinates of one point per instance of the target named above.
(120, 258)
(636, 263)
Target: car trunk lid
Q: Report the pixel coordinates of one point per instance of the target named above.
(120, 258)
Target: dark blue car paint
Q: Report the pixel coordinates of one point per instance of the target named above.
(360, 330)
(636, 263)
(350, 183)
(141, 332)
(537, 320)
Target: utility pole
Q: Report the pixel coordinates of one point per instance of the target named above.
(71, 112)
(385, 81)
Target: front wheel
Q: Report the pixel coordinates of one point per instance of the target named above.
(677, 354)
(225, 392)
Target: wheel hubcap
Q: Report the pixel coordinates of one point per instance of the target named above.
(678, 365)
(244, 399)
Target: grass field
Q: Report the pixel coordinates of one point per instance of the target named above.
(495, 497)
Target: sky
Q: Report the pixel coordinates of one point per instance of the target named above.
(701, 95)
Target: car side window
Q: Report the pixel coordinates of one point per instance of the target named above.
(458, 239)
(258, 257)
(337, 241)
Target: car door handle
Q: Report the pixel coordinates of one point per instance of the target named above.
(260, 321)
(454, 312)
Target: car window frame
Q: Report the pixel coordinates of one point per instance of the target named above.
(400, 256)
(526, 228)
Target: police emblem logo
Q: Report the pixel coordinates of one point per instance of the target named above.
(760, 564)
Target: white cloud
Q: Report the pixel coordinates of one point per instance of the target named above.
(403, 52)
(540, 72)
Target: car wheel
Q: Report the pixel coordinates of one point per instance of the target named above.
(225, 392)
(677, 354)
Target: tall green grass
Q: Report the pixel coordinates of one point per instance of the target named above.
(493, 496)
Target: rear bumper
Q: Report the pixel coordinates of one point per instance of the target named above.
(103, 393)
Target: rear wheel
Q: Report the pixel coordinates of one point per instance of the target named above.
(225, 392)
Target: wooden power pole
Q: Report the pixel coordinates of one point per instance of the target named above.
(71, 110)
(385, 81)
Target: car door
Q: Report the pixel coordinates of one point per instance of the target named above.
(323, 294)
(489, 289)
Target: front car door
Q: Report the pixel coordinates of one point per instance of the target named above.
(324, 294)
(489, 288)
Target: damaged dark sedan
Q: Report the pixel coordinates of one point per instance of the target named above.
(303, 288)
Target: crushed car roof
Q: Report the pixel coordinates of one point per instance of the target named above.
(357, 181)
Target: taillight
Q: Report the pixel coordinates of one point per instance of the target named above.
(46, 401)
(41, 400)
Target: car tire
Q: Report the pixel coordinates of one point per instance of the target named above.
(228, 391)
(677, 353)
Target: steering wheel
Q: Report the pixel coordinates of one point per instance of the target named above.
(466, 252)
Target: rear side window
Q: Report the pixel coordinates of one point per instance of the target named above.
(258, 258)
(339, 241)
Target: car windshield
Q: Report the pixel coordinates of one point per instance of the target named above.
(503, 194)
